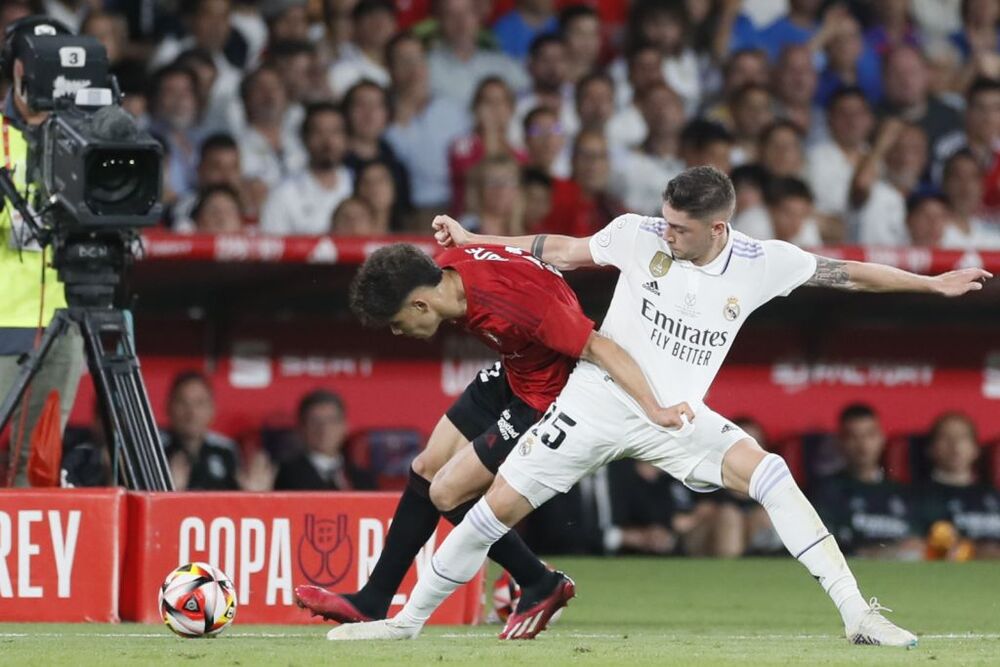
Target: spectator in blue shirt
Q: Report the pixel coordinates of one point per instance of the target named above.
(796, 27)
(849, 62)
(519, 27)
(423, 126)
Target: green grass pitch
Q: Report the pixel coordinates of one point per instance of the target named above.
(628, 611)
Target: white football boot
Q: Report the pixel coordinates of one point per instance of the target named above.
(875, 629)
(380, 630)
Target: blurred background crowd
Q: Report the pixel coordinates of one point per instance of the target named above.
(864, 122)
(860, 122)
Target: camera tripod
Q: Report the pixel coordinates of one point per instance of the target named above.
(125, 406)
(90, 264)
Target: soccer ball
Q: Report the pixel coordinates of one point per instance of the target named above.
(506, 593)
(197, 600)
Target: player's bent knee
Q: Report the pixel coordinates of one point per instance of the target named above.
(444, 495)
(423, 467)
(507, 503)
(739, 463)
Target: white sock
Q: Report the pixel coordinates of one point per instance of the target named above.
(456, 561)
(804, 535)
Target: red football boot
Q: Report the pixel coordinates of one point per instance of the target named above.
(331, 606)
(527, 623)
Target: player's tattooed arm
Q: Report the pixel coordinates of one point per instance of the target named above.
(831, 273)
(538, 245)
(871, 277)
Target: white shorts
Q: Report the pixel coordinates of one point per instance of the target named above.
(588, 427)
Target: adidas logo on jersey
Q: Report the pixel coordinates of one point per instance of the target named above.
(652, 287)
(726, 428)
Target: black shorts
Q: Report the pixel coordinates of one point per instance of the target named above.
(491, 417)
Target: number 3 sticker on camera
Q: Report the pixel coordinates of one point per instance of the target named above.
(72, 56)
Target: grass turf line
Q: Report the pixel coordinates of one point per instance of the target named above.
(629, 611)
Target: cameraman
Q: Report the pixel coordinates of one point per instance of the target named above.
(25, 305)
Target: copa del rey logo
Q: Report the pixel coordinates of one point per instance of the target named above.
(267, 559)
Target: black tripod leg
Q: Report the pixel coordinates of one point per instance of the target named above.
(131, 470)
(30, 366)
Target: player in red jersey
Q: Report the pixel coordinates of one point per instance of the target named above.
(523, 309)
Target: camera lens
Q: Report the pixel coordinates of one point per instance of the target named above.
(121, 181)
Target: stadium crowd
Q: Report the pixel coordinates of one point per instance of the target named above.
(857, 121)
(863, 122)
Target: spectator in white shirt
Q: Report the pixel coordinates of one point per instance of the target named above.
(830, 164)
(364, 57)
(457, 63)
(580, 27)
(706, 142)
(752, 112)
(649, 166)
(269, 149)
(790, 207)
(548, 67)
(217, 211)
(795, 83)
(304, 203)
(781, 151)
(287, 20)
(926, 219)
(877, 213)
(645, 69)
(963, 187)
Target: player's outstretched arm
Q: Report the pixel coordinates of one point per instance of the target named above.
(868, 277)
(626, 373)
(563, 252)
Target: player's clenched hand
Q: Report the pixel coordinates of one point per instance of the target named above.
(672, 417)
(449, 233)
(957, 283)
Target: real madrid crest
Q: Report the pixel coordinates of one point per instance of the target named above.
(660, 264)
(732, 309)
(525, 447)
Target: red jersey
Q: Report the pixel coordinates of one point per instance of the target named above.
(523, 309)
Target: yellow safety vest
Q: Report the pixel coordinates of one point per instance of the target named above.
(21, 271)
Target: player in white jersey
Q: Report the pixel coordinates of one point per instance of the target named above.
(688, 282)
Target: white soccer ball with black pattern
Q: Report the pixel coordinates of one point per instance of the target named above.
(197, 600)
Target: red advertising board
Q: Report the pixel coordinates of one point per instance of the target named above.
(268, 544)
(61, 554)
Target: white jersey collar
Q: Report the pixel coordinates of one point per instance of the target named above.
(718, 265)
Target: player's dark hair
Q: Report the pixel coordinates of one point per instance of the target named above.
(856, 411)
(183, 378)
(316, 398)
(946, 417)
(704, 193)
(380, 287)
(781, 188)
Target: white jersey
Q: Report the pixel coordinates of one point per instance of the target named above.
(678, 320)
